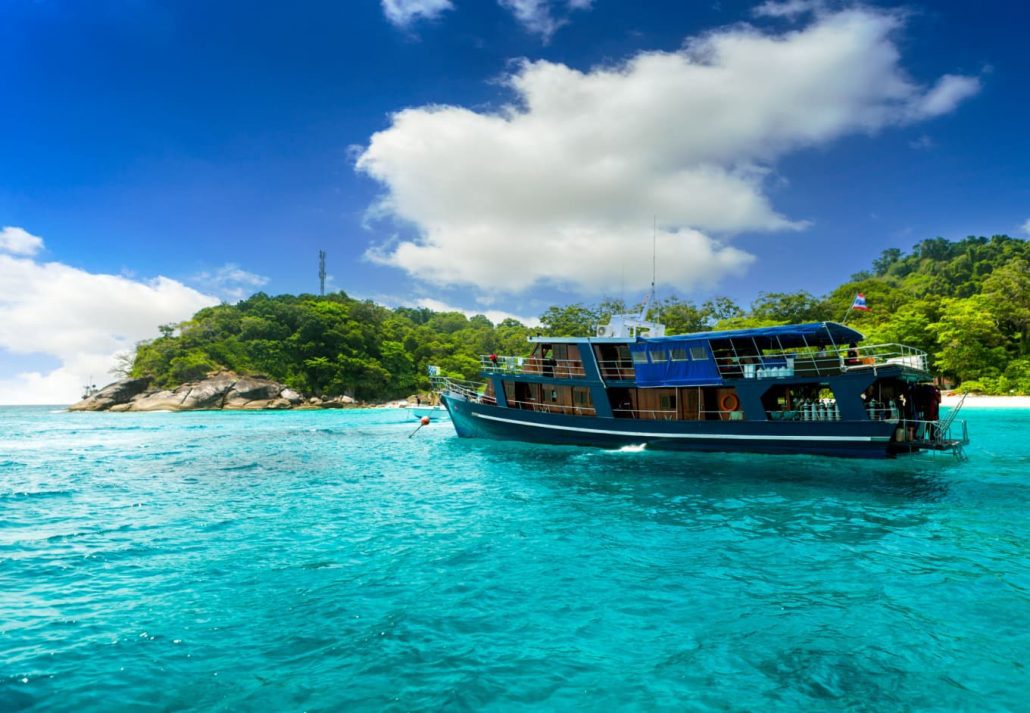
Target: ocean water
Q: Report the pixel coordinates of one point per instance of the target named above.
(326, 561)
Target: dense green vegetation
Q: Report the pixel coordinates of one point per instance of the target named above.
(966, 303)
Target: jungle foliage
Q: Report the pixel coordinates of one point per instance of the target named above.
(966, 303)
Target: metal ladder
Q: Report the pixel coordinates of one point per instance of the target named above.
(944, 428)
(951, 416)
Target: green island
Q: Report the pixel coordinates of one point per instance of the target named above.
(966, 303)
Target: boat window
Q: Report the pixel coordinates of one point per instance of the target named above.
(658, 356)
(554, 395)
(678, 354)
(665, 402)
(698, 353)
(639, 357)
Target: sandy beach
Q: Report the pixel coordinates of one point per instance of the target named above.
(974, 401)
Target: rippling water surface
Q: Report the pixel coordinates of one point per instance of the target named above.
(324, 560)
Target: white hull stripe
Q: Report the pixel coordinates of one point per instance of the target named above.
(724, 436)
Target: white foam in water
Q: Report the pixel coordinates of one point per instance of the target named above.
(635, 448)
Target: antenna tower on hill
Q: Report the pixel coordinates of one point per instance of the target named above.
(321, 273)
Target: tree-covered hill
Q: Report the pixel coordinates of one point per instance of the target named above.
(966, 303)
(328, 345)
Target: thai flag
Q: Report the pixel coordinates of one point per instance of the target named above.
(859, 303)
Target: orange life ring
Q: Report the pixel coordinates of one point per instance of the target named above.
(729, 402)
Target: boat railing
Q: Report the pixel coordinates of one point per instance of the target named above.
(617, 369)
(827, 361)
(468, 390)
(557, 368)
(552, 407)
(673, 415)
(646, 414)
(945, 435)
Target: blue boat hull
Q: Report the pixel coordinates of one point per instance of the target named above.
(869, 439)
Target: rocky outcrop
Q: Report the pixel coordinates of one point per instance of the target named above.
(117, 394)
(224, 390)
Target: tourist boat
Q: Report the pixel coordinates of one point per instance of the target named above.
(804, 388)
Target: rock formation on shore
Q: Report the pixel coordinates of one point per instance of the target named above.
(224, 390)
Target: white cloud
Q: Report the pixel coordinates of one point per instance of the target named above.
(948, 93)
(230, 282)
(790, 9)
(1026, 227)
(494, 315)
(18, 241)
(560, 186)
(403, 12)
(82, 319)
(538, 16)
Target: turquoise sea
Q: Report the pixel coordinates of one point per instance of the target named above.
(326, 561)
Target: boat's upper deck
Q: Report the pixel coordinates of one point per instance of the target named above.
(702, 358)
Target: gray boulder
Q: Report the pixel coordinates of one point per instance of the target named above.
(225, 390)
(292, 396)
(207, 394)
(157, 401)
(251, 389)
(120, 392)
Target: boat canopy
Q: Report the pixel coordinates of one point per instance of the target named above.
(674, 362)
(699, 359)
(790, 336)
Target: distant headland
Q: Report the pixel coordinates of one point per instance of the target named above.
(222, 391)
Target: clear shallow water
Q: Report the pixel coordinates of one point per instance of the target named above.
(323, 560)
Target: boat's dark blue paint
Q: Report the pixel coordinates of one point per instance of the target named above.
(868, 439)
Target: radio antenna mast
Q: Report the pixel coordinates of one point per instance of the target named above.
(321, 273)
(654, 246)
(654, 252)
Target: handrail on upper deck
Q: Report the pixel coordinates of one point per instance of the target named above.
(824, 362)
(558, 368)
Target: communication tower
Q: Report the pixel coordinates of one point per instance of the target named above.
(321, 273)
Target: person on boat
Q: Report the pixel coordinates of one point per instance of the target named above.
(549, 363)
(852, 354)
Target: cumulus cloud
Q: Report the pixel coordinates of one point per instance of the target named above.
(539, 16)
(18, 241)
(403, 12)
(560, 186)
(230, 281)
(1026, 227)
(82, 319)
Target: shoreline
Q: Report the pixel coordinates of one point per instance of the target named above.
(949, 400)
(974, 401)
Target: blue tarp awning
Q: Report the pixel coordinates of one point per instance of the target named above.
(680, 362)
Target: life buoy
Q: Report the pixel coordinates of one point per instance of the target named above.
(729, 402)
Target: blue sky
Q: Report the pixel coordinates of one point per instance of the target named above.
(490, 156)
